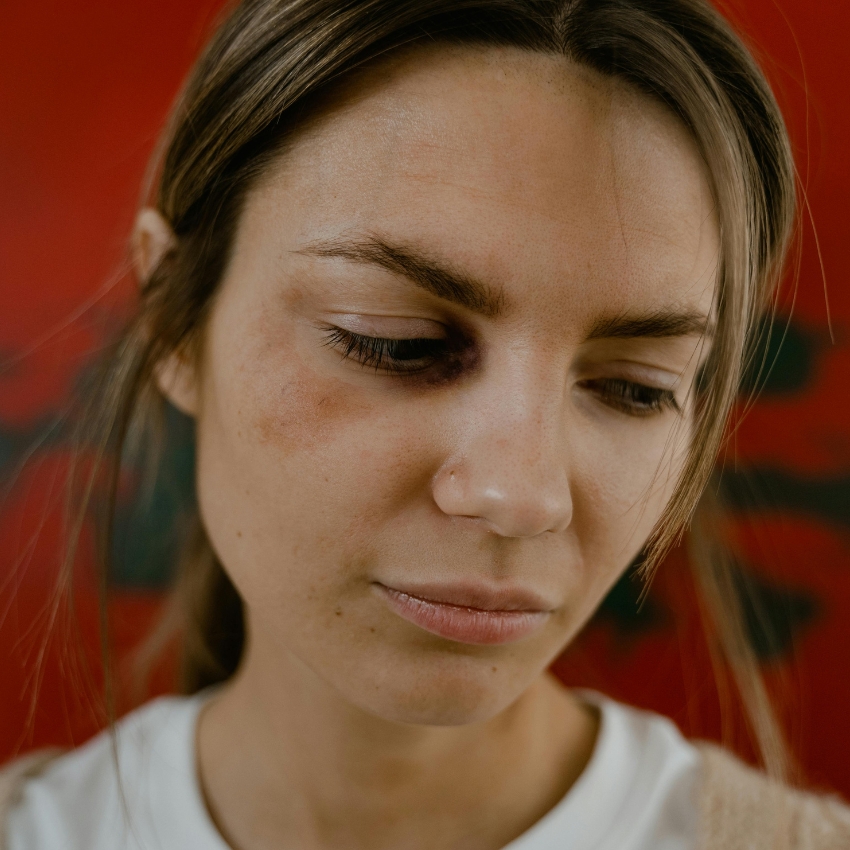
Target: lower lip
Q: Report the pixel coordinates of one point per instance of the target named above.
(465, 625)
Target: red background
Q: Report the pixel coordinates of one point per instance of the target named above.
(84, 90)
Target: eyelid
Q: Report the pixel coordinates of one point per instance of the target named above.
(386, 327)
(640, 373)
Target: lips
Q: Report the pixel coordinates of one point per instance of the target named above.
(468, 614)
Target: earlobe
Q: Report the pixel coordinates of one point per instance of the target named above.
(152, 239)
(176, 378)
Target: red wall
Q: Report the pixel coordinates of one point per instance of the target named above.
(84, 88)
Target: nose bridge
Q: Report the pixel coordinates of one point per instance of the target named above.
(524, 419)
(511, 464)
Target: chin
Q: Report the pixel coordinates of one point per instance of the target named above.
(442, 698)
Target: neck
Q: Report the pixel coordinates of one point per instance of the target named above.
(286, 761)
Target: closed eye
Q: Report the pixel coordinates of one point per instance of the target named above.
(393, 356)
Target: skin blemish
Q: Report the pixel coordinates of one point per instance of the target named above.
(308, 411)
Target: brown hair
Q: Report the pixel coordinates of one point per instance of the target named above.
(264, 67)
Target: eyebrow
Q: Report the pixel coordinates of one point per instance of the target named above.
(658, 324)
(427, 272)
(443, 281)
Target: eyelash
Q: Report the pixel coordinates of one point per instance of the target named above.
(395, 356)
(633, 398)
(413, 356)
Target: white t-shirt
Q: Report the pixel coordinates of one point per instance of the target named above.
(636, 793)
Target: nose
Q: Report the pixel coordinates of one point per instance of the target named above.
(511, 472)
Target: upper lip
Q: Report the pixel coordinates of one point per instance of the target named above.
(481, 597)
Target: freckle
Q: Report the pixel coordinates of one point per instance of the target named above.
(238, 533)
(338, 612)
(495, 669)
(294, 296)
(372, 630)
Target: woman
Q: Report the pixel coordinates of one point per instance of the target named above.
(457, 294)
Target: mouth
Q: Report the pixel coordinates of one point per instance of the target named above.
(472, 615)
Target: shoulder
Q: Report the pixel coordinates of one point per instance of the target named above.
(698, 795)
(13, 778)
(740, 808)
(50, 800)
(638, 790)
(652, 738)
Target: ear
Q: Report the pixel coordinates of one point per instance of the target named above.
(152, 239)
(177, 379)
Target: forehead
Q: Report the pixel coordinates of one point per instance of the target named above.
(529, 171)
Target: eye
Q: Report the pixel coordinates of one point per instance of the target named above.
(632, 398)
(396, 356)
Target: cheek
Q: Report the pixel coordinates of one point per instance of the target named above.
(301, 415)
(622, 483)
(289, 409)
(295, 468)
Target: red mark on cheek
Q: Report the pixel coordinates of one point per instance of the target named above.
(307, 412)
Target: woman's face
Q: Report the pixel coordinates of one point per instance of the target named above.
(444, 391)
